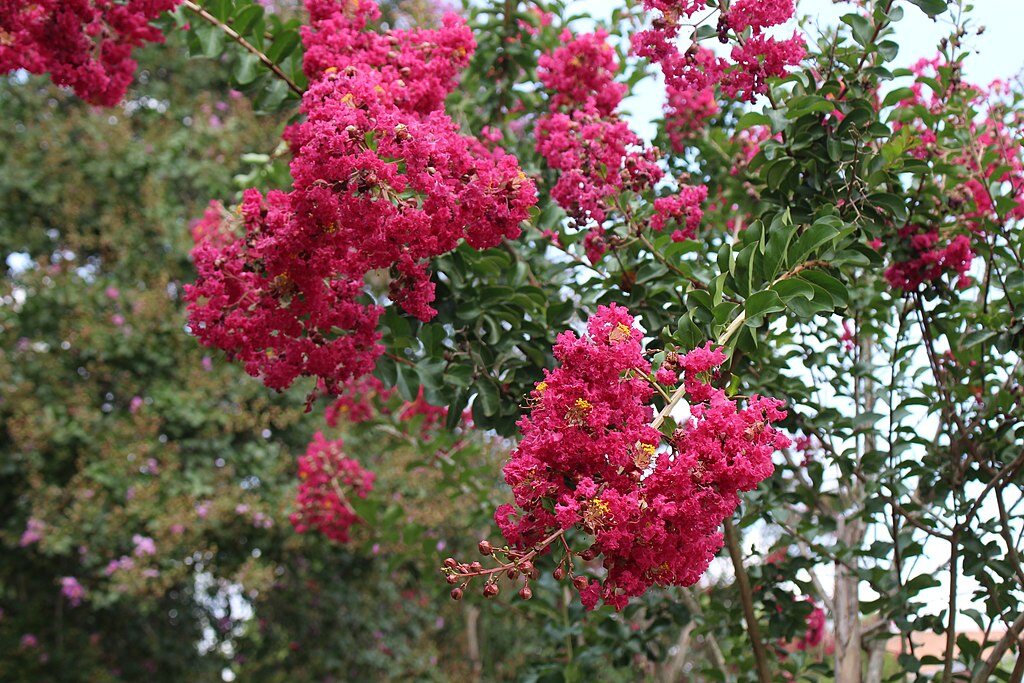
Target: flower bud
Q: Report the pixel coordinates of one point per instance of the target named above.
(450, 563)
(525, 593)
(456, 594)
(475, 566)
(485, 548)
(559, 573)
(490, 590)
(580, 582)
(452, 578)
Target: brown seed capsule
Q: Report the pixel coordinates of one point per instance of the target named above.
(559, 573)
(456, 594)
(525, 593)
(475, 566)
(450, 563)
(485, 548)
(526, 567)
(452, 578)
(588, 554)
(490, 590)
(580, 582)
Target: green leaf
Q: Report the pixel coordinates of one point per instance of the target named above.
(284, 44)
(761, 304)
(932, 8)
(818, 234)
(487, 395)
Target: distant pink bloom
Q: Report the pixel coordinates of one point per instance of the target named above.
(144, 545)
(72, 590)
(33, 532)
(123, 562)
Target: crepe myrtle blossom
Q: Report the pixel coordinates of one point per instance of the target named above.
(693, 73)
(589, 459)
(383, 181)
(596, 154)
(85, 45)
(327, 479)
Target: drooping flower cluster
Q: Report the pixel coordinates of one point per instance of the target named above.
(927, 258)
(692, 73)
(83, 44)
(382, 182)
(682, 210)
(583, 137)
(815, 631)
(590, 459)
(976, 178)
(326, 481)
(687, 111)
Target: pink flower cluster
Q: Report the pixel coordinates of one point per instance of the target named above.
(583, 138)
(71, 589)
(590, 459)
(815, 631)
(382, 181)
(596, 154)
(326, 479)
(687, 111)
(691, 75)
(34, 530)
(357, 401)
(682, 210)
(925, 260)
(83, 44)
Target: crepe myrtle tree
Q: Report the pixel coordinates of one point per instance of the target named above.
(766, 365)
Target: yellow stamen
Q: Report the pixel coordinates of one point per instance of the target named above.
(620, 333)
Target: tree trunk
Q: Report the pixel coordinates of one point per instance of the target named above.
(847, 604)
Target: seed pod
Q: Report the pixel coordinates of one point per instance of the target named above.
(450, 563)
(490, 590)
(559, 573)
(456, 594)
(525, 593)
(580, 582)
(485, 548)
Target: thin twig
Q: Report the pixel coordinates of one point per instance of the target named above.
(747, 598)
(235, 36)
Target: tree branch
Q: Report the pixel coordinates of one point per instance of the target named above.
(235, 36)
(747, 598)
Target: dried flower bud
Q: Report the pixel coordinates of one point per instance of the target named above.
(490, 590)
